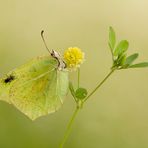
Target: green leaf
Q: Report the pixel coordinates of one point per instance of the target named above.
(81, 93)
(72, 89)
(122, 59)
(130, 59)
(121, 47)
(112, 38)
(139, 65)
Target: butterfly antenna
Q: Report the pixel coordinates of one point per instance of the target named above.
(42, 35)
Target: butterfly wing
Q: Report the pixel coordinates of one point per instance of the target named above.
(40, 96)
(38, 87)
(24, 73)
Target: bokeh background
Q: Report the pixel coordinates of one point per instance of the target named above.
(117, 115)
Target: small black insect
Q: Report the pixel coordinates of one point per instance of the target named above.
(9, 79)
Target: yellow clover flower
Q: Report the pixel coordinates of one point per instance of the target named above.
(73, 57)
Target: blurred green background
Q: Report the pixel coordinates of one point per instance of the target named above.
(117, 115)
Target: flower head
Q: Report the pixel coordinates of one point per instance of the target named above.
(73, 57)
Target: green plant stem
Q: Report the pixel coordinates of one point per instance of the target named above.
(78, 77)
(99, 85)
(68, 130)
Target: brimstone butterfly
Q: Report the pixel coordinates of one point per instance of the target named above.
(38, 87)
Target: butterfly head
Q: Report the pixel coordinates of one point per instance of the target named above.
(57, 56)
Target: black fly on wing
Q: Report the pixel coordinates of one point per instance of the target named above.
(9, 79)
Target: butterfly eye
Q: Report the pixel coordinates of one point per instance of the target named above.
(53, 54)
